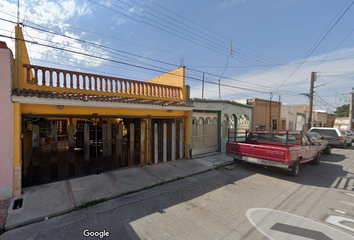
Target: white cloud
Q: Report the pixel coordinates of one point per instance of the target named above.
(119, 20)
(335, 74)
(50, 14)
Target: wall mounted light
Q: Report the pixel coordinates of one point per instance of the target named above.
(170, 110)
(61, 106)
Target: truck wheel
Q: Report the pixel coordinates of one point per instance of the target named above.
(349, 144)
(344, 145)
(317, 160)
(294, 172)
(328, 150)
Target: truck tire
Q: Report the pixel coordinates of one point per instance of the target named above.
(344, 145)
(349, 144)
(294, 172)
(317, 160)
(328, 150)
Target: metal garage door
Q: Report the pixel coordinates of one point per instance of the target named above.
(204, 132)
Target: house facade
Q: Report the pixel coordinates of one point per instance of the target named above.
(266, 113)
(292, 117)
(211, 120)
(68, 124)
(323, 119)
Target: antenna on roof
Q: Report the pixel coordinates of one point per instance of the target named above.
(182, 62)
(18, 11)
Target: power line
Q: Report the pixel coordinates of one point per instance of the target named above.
(128, 64)
(104, 35)
(157, 60)
(101, 46)
(199, 25)
(241, 58)
(318, 43)
(170, 32)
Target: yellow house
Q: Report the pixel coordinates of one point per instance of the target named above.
(68, 124)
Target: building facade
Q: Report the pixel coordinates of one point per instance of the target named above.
(323, 119)
(266, 113)
(211, 121)
(68, 124)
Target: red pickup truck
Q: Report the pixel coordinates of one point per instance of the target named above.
(282, 149)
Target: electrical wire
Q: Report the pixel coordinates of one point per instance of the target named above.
(317, 44)
(128, 64)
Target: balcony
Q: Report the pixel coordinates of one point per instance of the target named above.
(64, 80)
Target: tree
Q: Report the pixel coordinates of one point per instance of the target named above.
(342, 111)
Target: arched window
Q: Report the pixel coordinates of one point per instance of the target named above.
(243, 122)
(200, 121)
(233, 122)
(194, 121)
(225, 125)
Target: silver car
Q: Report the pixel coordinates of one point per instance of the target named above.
(334, 136)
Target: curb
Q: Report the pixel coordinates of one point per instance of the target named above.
(52, 215)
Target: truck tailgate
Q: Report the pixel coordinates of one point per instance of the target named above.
(263, 151)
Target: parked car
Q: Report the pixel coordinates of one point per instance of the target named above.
(282, 149)
(323, 143)
(334, 136)
(350, 135)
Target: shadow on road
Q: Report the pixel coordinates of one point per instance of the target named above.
(327, 174)
(334, 157)
(123, 213)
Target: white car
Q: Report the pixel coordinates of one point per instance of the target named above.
(334, 136)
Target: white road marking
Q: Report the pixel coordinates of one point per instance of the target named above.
(264, 220)
(350, 194)
(339, 211)
(337, 220)
(347, 203)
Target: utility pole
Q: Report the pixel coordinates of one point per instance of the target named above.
(17, 47)
(219, 90)
(351, 111)
(270, 111)
(312, 86)
(203, 88)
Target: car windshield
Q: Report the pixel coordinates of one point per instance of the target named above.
(326, 132)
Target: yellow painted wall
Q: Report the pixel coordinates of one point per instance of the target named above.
(174, 78)
(47, 109)
(22, 55)
(68, 110)
(17, 135)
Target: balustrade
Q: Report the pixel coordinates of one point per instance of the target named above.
(52, 77)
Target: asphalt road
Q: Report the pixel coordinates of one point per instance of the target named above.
(234, 202)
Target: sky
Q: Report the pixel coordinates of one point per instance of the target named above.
(253, 48)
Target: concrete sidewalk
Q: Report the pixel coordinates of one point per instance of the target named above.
(53, 199)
